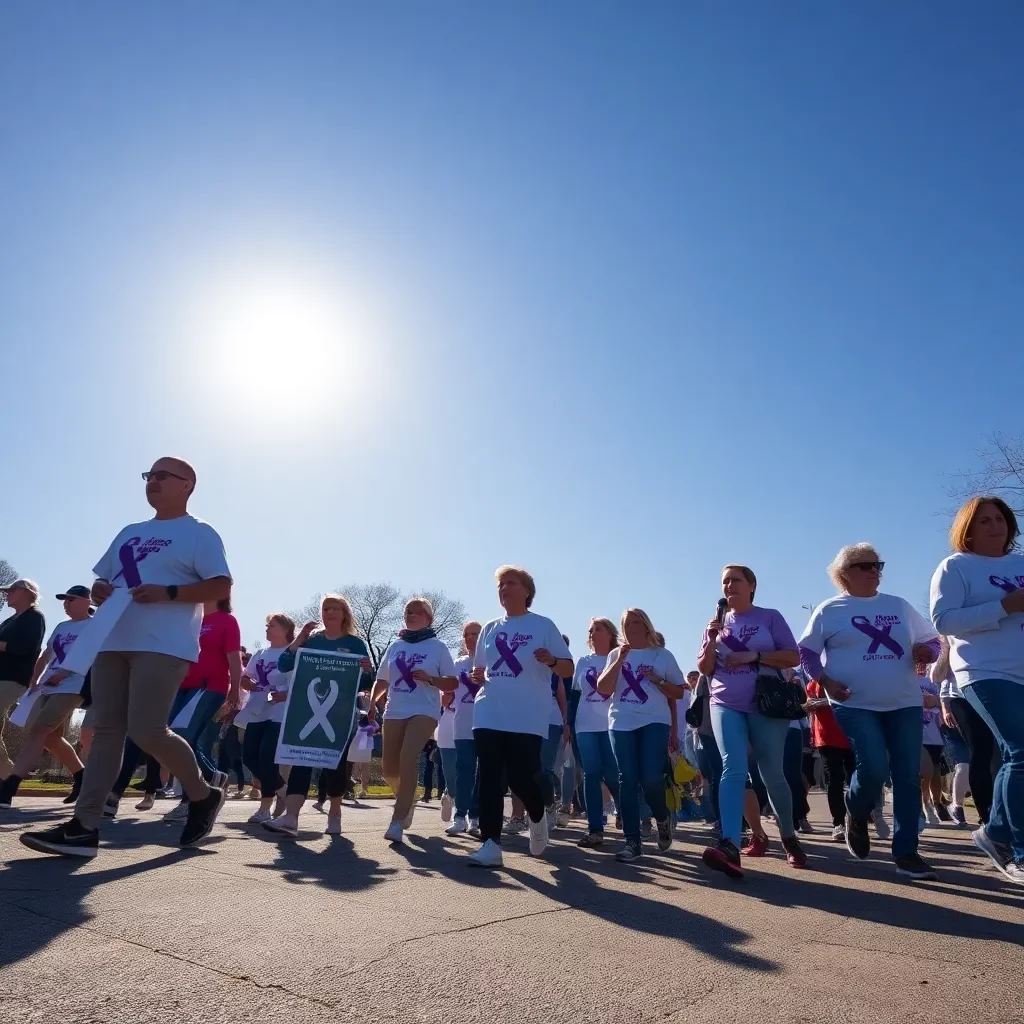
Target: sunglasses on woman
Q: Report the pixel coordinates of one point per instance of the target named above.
(868, 566)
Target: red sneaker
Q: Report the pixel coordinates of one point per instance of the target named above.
(757, 847)
(794, 852)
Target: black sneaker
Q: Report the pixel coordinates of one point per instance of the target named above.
(201, 816)
(9, 789)
(67, 840)
(911, 866)
(943, 812)
(591, 840)
(724, 857)
(629, 852)
(76, 787)
(646, 829)
(858, 842)
(665, 834)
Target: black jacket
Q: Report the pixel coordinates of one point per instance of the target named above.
(23, 635)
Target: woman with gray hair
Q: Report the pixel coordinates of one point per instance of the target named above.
(21, 640)
(871, 644)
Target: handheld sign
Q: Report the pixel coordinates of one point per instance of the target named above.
(320, 708)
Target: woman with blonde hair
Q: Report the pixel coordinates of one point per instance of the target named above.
(338, 633)
(977, 601)
(415, 670)
(515, 657)
(872, 644)
(592, 736)
(467, 793)
(642, 678)
(737, 642)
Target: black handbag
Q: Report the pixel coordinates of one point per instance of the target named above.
(778, 698)
(695, 712)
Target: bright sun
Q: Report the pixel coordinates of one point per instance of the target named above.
(274, 328)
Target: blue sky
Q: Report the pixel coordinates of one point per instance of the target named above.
(617, 292)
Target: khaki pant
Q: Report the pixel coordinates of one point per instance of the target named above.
(52, 711)
(402, 740)
(132, 693)
(10, 694)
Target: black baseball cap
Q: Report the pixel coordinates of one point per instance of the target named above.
(75, 591)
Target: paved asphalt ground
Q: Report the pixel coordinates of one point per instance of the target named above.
(254, 928)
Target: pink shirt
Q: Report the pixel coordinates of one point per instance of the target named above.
(218, 637)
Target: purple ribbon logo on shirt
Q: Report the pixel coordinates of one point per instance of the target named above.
(734, 643)
(129, 566)
(878, 636)
(633, 683)
(1007, 583)
(472, 689)
(591, 678)
(508, 653)
(405, 667)
(60, 647)
(262, 676)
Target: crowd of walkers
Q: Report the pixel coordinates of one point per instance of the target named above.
(892, 699)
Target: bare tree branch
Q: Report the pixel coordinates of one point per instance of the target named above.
(8, 574)
(1001, 472)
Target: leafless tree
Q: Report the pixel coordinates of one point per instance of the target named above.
(1001, 472)
(8, 574)
(377, 608)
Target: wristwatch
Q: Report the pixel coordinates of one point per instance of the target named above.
(172, 593)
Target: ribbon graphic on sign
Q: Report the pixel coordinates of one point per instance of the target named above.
(129, 567)
(508, 654)
(878, 636)
(633, 683)
(320, 709)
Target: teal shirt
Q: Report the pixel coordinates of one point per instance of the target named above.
(342, 644)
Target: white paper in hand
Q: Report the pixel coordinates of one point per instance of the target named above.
(19, 716)
(80, 658)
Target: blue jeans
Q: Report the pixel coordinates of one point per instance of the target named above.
(734, 730)
(709, 760)
(467, 779)
(793, 769)
(886, 743)
(598, 766)
(641, 755)
(549, 749)
(196, 735)
(447, 755)
(1001, 705)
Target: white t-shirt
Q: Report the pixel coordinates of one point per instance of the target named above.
(164, 552)
(592, 710)
(867, 643)
(62, 639)
(516, 694)
(966, 604)
(407, 697)
(634, 705)
(931, 735)
(268, 678)
(465, 695)
(444, 734)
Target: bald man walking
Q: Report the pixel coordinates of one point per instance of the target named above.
(172, 564)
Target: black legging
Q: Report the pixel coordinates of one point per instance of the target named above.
(301, 775)
(259, 748)
(229, 756)
(985, 754)
(508, 760)
(837, 767)
(129, 762)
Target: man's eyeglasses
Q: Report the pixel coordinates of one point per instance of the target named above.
(868, 566)
(161, 474)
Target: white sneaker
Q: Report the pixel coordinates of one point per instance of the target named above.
(259, 816)
(488, 856)
(333, 825)
(287, 824)
(474, 826)
(514, 826)
(882, 829)
(407, 821)
(457, 827)
(446, 808)
(394, 832)
(931, 814)
(179, 812)
(562, 819)
(838, 834)
(110, 807)
(539, 835)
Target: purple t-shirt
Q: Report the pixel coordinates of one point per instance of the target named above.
(759, 629)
